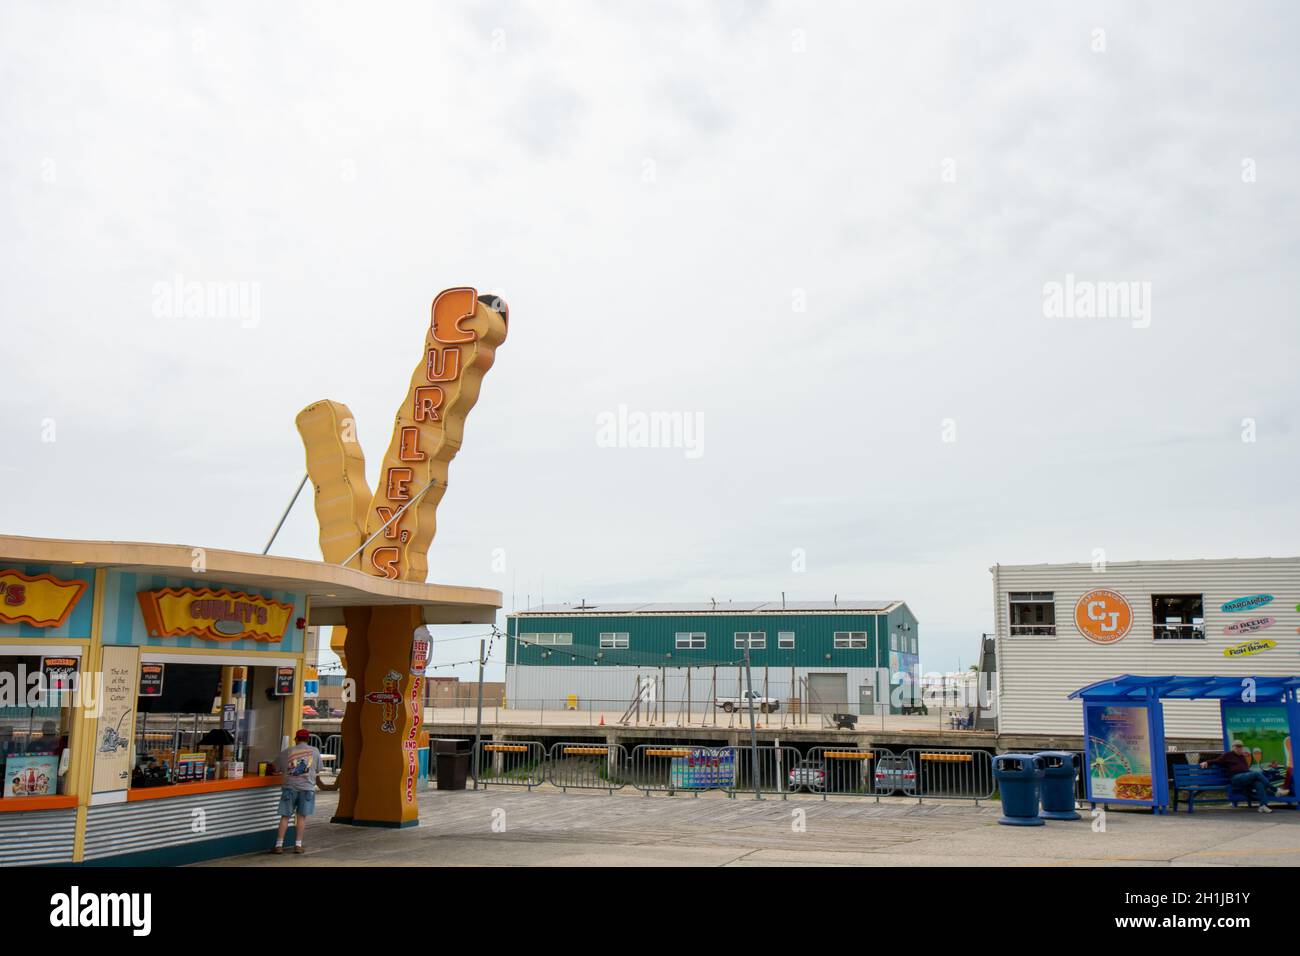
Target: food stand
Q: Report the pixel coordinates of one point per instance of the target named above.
(146, 689)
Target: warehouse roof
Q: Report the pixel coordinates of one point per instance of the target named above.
(847, 605)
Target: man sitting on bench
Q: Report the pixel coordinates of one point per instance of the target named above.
(1242, 775)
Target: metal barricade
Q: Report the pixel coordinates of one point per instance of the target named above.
(771, 773)
(514, 763)
(842, 771)
(682, 768)
(331, 758)
(951, 774)
(588, 766)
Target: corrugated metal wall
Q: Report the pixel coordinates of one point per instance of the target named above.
(613, 688)
(1037, 673)
(46, 836)
(653, 636)
(116, 829)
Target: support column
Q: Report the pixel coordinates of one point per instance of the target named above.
(390, 716)
(358, 624)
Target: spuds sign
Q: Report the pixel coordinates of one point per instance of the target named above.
(387, 533)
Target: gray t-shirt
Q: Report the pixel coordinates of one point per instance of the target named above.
(299, 764)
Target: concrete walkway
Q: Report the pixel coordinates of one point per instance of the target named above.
(516, 828)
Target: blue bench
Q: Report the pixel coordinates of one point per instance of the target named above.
(1195, 780)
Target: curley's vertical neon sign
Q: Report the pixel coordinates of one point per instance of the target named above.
(401, 516)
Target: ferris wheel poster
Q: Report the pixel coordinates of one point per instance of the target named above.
(1119, 752)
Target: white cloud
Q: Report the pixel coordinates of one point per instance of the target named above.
(352, 161)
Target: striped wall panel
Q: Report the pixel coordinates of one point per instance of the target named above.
(124, 624)
(117, 829)
(44, 836)
(1037, 673)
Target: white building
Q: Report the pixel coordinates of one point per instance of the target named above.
(1062, 626)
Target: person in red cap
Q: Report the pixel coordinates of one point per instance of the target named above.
(299, 764)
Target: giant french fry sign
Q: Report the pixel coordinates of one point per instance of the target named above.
(387, 533)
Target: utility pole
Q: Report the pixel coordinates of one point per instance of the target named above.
(478, 725)
(753, 732)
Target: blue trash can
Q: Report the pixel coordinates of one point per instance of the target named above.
(1020, 781)
(1060, 771)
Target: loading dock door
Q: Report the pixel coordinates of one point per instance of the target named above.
(829, 693)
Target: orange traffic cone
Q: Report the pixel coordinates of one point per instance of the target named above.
(602, 720)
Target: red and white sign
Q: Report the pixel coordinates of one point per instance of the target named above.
(1249, 627)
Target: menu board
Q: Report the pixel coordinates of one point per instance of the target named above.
(113, 731)
(284, 681)
(151, 680)
(60, 675)
(1119, 753)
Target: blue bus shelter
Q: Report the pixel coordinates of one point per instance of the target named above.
(1124, 729)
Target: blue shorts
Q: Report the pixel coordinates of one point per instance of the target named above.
(296, 802)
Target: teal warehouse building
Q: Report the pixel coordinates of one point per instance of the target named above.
(823, 656)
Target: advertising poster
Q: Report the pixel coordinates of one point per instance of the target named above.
(31, 776)
(1263, 729)
(705, 768)
(113, 757)
(1119, 752)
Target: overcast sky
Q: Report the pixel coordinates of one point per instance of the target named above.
(822, 232)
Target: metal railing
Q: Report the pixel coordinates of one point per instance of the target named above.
(782, 713)
(588, 766)
(920, 773)
(682, 768)
(848, 771)
(951, 774)
(515, 763)
(771, 770)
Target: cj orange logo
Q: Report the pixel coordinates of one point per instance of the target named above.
(1103, 616)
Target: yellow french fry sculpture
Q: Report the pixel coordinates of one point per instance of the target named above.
(388, 533)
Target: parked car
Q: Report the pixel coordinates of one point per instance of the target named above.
(810, 774)
(750, 698)
(895, 773)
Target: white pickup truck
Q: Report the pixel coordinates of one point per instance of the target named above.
(750, 699)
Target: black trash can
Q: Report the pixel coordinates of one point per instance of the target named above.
(1060, 771)
(451, 761)
(1020, 781)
